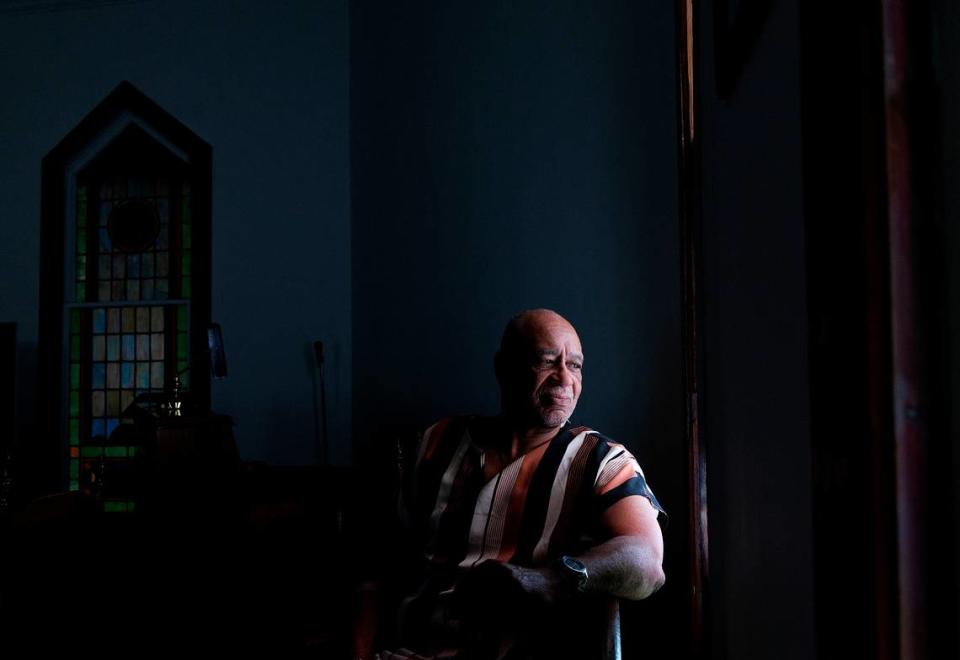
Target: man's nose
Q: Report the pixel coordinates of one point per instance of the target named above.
(563, 374)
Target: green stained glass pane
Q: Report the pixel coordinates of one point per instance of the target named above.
(143, 319)
(91, 452)
(74, 321)
(156, 346)
(75, 348)
(98, 402)
(115, 507)
(182, 318)
(112, 375)
(74, 469)
(74, 485)
(82, 193)
(182, 345)
(181, 365)
(116, 452)
(163, 264)
(74, 432)
(185, 288)
(74, 404)
(81, 268)
(146, 265)
(113, 403)
(81, 292)
(82, 214)
(156, 319)
(74, 376)
(131, 507)
(156, 375)
(185, 240)
(82, 242)
(185, 264)
(113, 320)
(132, 451)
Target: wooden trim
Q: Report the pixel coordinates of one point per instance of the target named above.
(910, 402)
(690, 195)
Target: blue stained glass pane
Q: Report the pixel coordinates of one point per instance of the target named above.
(111, 425)
(105, 208)
(126, 375)
(105, 244)
(129, 350)
(147, 291)
(99, 321)
(98, 427)
(162, 289)
(133, 265)
(143, 375)
(162, 237)
(113, 348)
(146, 265)
(99, 376)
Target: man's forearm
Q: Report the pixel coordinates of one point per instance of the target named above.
(625, 567)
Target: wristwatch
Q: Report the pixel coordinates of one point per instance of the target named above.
(574, 573)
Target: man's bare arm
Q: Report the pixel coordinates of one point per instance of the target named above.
(629, 564)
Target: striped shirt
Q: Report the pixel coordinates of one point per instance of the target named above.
(546, 503)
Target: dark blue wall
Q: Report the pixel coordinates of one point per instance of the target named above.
(267, 85)
(507, 156)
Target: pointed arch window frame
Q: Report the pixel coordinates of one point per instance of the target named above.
(124, 107)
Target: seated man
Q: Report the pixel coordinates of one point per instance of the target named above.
(524, 521)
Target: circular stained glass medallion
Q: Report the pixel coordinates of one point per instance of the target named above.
(133, 225)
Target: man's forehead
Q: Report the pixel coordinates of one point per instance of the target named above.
(550, 351)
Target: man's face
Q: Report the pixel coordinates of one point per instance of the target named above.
(550, 377)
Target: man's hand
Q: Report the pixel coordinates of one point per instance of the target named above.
(496, 587)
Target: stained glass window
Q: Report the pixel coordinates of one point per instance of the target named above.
(128, 325)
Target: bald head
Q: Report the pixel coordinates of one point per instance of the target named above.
(539, 367)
